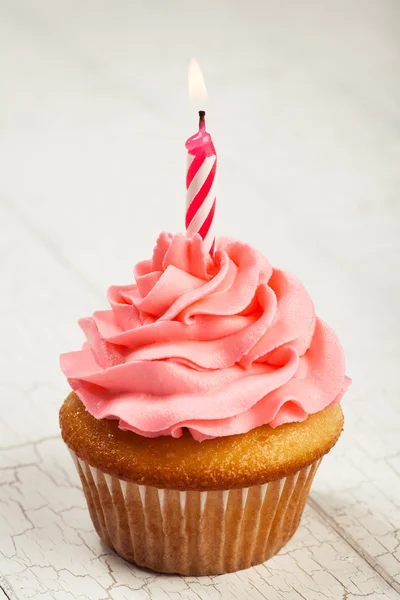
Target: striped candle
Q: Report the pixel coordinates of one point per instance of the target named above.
(200, 185)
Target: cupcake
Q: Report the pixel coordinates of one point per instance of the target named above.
(203, 402)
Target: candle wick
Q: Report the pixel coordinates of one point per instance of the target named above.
(202, 122)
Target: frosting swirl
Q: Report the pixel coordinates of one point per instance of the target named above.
(215, 345)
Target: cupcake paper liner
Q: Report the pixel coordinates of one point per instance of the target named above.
(193, 532)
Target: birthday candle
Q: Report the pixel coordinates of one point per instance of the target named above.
(201, 169)
(200, 185)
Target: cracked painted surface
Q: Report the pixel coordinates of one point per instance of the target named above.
(82, 124)
(49, 548)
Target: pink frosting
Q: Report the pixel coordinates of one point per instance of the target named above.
(215, 345)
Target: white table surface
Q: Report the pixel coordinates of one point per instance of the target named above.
(93, 117)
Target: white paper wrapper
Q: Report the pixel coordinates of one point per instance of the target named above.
(195, 533)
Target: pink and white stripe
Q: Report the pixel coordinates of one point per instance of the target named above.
(201, 197)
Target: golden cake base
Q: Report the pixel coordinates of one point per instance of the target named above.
(181, 506)
(236, 461)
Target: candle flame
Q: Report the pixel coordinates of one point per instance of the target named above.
(197, 87)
